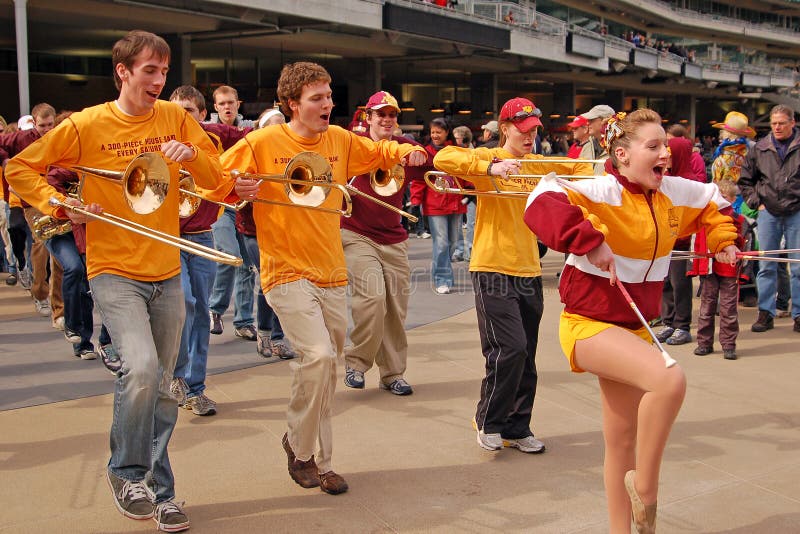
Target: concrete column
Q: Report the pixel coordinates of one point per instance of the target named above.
(180, 47)
(615, 99)
(21, 28)
(564, 99)
(483, 95)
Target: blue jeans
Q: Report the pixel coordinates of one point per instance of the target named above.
(267, 319)
(78, 303)
(472, 208)
(197, 276)
(229, 278)
(145, 321)
(444, 231)
(770, 230)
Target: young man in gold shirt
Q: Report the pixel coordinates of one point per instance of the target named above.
(135, 281)
(303, 271)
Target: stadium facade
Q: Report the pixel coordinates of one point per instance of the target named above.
(692, 60)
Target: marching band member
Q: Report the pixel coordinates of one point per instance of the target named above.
(376, 249)
(506, 275)
(623, 226)
(303, 270)
(135, 282)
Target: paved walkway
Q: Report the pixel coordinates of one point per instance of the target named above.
(731, 464)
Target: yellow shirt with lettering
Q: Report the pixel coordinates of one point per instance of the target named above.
(502, 242)
(294, 242)
(103, 137)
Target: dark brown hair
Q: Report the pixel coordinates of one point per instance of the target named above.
(126, 49)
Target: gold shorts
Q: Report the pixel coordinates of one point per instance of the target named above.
(573, 327)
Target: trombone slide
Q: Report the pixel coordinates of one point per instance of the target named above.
(163, 237)
(357, 192)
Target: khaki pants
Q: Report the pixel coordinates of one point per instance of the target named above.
(40, 289)
(56, 291)
(379, 277)
(315, 321)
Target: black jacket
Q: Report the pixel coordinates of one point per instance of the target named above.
(767, 180)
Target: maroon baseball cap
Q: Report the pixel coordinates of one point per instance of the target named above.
(578, 122)
(382, 99)
(522, 113)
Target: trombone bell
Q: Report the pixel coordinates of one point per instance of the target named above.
(305, 169)
(145, 181)
(387, 182)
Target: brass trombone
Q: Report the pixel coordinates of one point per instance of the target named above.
(163, 237)
(307, 180)
(441, 185)
(145, 181)
(385, 183)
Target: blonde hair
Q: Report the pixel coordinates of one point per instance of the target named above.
(728, 188)
(628, 126)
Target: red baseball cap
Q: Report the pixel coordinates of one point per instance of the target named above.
(382, 99)
(522, 113)
(578, 122)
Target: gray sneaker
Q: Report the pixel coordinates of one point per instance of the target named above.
(490, 442)
(664, 333)
(110, 358)
(170, 517)
(528, 444)
(200, 405)
(25, 278)
(178, 389)
(132, 499)
(679, 337)
(353, 379)
(42, 307)
(281, 349)
(263, 346)
(398, 387)
(247, 332)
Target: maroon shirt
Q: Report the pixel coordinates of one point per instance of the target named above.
(223, 136)
(12, 144)
(373, 221)
(60, 178)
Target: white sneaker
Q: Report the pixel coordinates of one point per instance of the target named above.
(490, 442)
(58, 323)
(42, 307)
(528, 444)
(443, 290)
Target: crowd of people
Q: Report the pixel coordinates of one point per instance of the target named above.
(627, 196)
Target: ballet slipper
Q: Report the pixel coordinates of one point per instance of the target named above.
(644, 516)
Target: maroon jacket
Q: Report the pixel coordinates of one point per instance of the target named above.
(434, 203)
(376, 222)
(12, 144)
(60, 178)
(224, 137)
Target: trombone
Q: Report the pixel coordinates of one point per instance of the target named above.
(440, 184)
(385, 183)
(145, 182)
(308, 181)
(163, 237)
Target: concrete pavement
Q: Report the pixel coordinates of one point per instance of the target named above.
(731, 464)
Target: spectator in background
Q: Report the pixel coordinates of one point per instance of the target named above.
(676, 298)
(769, 183)
(463, 136)
(696, 161)
(580, 136)
(226, 102)
(491, 134)
(596, 117)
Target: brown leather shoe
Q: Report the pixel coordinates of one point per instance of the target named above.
(332, 483)
(304, 473)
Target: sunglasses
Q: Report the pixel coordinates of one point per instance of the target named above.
(522, 115)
